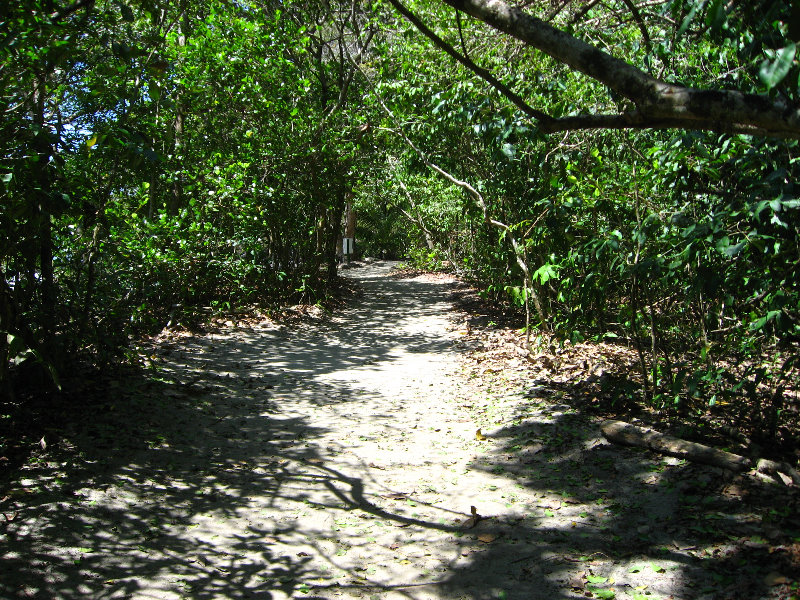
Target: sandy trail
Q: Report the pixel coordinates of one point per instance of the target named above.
(338, 460)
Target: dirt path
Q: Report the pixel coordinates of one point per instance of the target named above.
(340, 460)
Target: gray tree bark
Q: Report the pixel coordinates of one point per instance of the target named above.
(656, 104)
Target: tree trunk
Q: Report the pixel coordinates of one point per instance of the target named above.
(350, 221)
(44, 152)
(336, 214)
(175, 203)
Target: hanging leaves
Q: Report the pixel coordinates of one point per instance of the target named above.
(774, 71)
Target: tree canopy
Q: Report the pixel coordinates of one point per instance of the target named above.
(624, 170)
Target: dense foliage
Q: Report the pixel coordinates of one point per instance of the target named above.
(683, 244)
(157, 157)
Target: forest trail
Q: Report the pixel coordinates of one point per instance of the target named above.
(339, 459)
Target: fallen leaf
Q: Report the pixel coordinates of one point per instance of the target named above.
(733, 491)
(775, 578)
(479, 436)
(43, 444)
(578, 582)
(657, 568)
(487, 538)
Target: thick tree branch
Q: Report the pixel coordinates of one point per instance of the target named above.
(658, 104)
(638, 120)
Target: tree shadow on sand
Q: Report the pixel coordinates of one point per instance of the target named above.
(614, 518)
(205, 480)
(145, 483)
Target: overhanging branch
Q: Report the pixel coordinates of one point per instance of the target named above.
(658, 104)
(638, 120)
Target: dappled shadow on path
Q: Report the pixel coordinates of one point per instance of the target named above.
(230, 473)
(372, 330)
(611, 521)
(122, 507)
(191, 480)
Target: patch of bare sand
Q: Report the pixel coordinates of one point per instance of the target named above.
(339, 459)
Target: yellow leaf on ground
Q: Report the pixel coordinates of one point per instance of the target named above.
(479, 436)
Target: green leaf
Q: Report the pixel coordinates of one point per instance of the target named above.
(16, 346)
(596, 579)
(657, 568)
(732, 251)
(772, 72)
(717, 16)
(545, 273)
(18, 352)
(6, 177)
(689, 18)
(602, 593)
